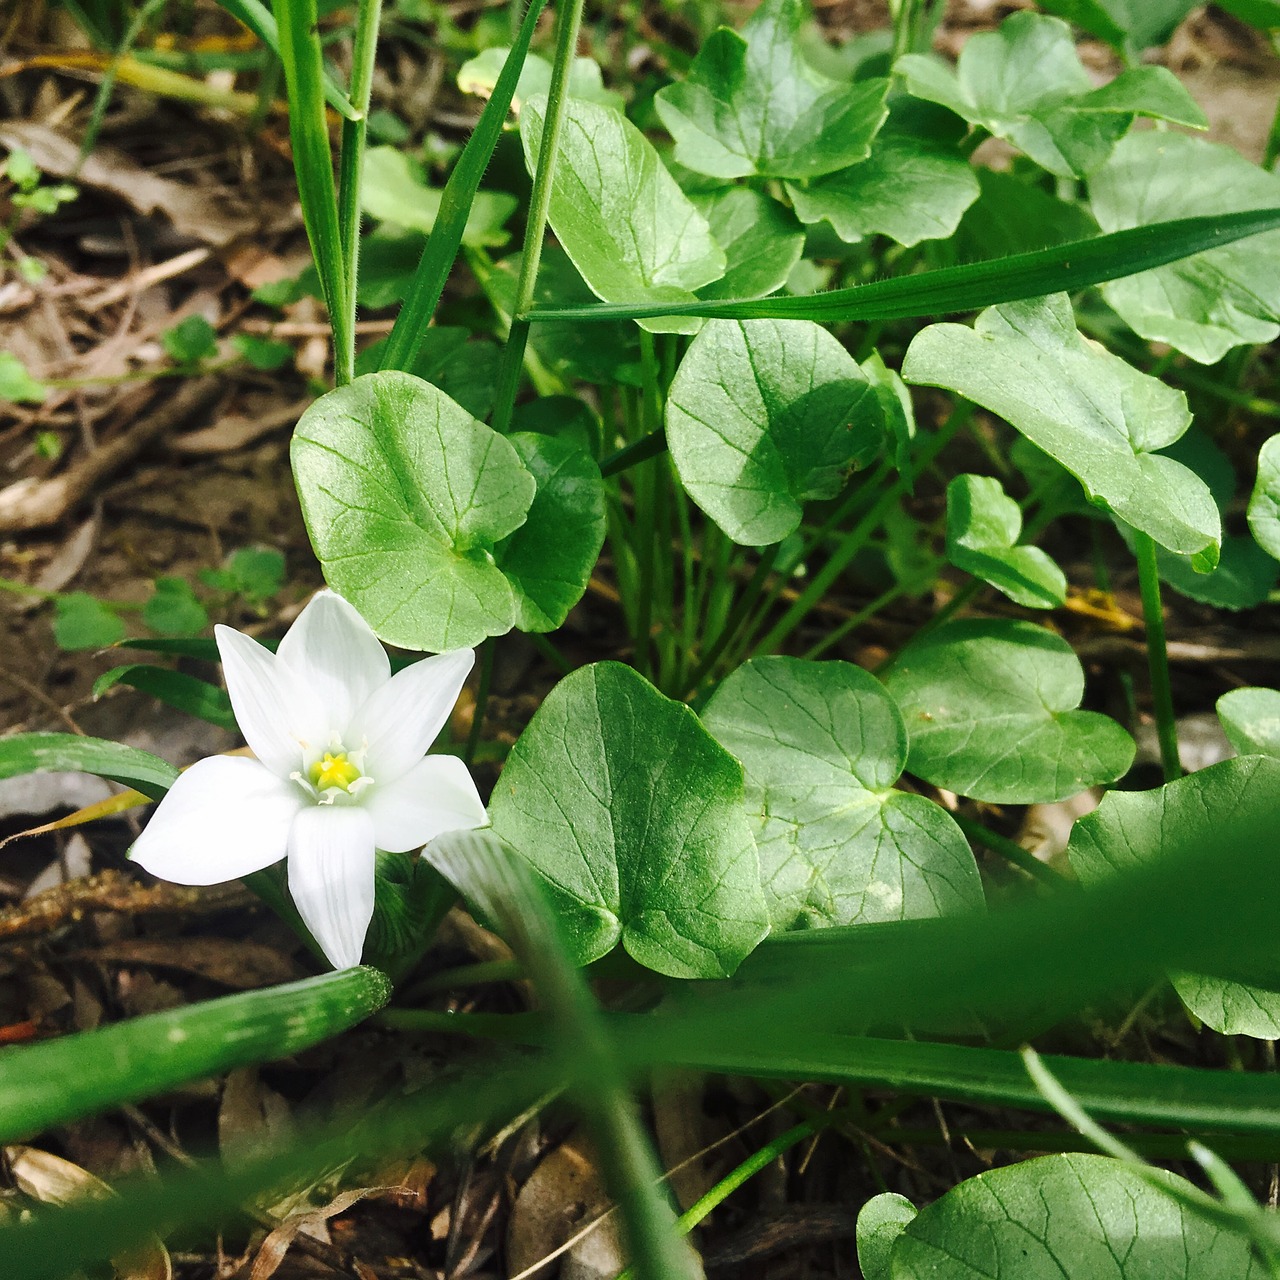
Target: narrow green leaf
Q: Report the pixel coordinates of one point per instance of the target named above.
(1063, 268)
(175, 689)
(441, 249)
(990, 709)
(632, 816)
(77, 1075)
(69, 752)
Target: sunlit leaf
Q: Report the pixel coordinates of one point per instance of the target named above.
(1251, 720)
(73, 753)
(761, 239)
(880, 1222)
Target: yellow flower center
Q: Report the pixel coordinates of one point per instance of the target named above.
(333, 771)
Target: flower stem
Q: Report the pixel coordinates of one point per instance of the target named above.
(482, 702)
(567, 23)
(1157, 654)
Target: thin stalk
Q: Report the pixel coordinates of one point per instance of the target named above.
(633, 454)
(1012, 851)
(746, 601)
(753, 1164)
(647, 488)
(482, 701)
(953, 606)
(1157, 654)
(567, 23)
(850, 624)
(351, 171)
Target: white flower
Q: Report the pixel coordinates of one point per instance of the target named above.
(341, 770)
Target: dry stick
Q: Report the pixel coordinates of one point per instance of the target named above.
(34, 504)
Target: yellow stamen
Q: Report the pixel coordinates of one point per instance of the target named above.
(333, 771)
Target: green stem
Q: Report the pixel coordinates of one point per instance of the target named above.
(633, 454)
(482, 701)
(746, 601)
(1157, 654)
(1012, 851)
(753, 1164)
(567, 24)
(351, 171)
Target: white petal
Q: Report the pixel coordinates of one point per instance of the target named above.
(402, 718)
(280, 718)
(435, 796)
(331, 877)
(334, 653)
(223, 818)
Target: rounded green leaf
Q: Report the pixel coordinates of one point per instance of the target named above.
(983, 527)
(822, 744)
(764, 415)
(548, 560)
(1067, 1217)
(1129, 830)
(761, 239)
(1264, 502)
(1206, 304)
(626, 225)
(880, 1222)
(632, 815)
(405, 495)
(1251, 720)
(1099, 417)
(753, 105)
(990, 709)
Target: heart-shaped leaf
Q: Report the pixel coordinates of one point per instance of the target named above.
(548, 560)
(1067, 1217)
(1264, 501)
(822, 744)
(632, 815)
(1251, 720)
(629, 229)
(1128, 830)
(752, 105)
(1206, 304)
(761, 239)
(1025, 83)
(990, 709)
(914, 186)
(764, 415)
(983, 527)
(405, 495)
(1099, 417)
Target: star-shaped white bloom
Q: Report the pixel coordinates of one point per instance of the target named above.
(341, 770)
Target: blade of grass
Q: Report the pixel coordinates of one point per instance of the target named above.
(77, 1075)
(1062, 269)
(261, 21)
(313, 162)
(441, 249)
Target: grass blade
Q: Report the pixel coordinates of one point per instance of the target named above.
(1064, 268)
(71, 753)
(77, 1075)
(441, 249)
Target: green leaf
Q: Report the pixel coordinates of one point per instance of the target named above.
(1128, 830)
(478, 75)
(632, 815)
(990, 712)
(465, 369)
(752, 105)
(983, 527)
(1025, 83)
(174, 610)
(256, 572)
(1263, 14)
(71, 753)
(395, 189)
(190, 341)
(631, 232)
(405, 495)
(1126, 25)
(1212, 302)
(1251, 720)
(880, 1222)
(765, 415)
(1067, 1217)
(761, 239)
(129, 1061)
(16, 384)
(82, 621)
(1012, 216)
(175, 689)
(1099, 417)
(549, 559)
(262, 353)
(915, 186)
(1264, 501)
(822, 744)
